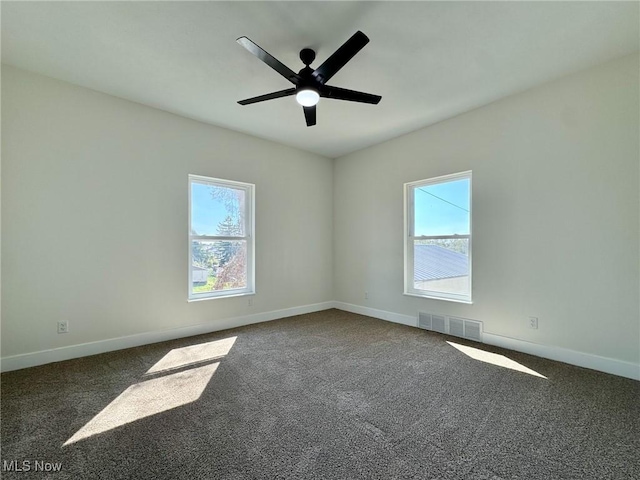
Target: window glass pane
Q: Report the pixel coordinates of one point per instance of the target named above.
(218, 265)
(442, 265)
(442, 209)
(217, 210)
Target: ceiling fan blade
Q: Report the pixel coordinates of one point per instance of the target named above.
(270, 60)
(269, 96)
(337, 93)
(340, 57)
(310, 115)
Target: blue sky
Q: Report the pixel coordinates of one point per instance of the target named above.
(206, 213)
(434, 216)
(442, 209)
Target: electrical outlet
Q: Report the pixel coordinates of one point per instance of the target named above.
(533, 322)
(63, 327)
(366, 295)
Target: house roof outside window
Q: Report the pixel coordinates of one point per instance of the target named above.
(433, 262)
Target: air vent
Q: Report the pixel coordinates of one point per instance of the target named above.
(473, 330)
(431, 321)
(459, 327)
(456, 327)
(424, 320)
(438, 323)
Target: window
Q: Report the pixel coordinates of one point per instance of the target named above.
(438, 238)
(221, 242)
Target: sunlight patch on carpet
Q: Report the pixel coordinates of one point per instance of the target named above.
(494, 359)
(149, 398)
(168, 391)
(193, 355)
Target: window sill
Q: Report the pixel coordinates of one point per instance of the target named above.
(433, 297)
(216, 297)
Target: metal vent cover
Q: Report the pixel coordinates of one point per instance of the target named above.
(424, 320)
(459, 327)
(439, 323)
(473, 330)
(462, 327)
(456, 327)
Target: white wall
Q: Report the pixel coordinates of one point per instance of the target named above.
(94, 198)
(94, 188)
(555, 205)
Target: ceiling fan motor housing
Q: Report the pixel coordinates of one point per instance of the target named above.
(307, 80)
(307, 56)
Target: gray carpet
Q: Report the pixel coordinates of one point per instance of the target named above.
(324, 395)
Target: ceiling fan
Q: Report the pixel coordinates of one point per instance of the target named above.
(310, 84)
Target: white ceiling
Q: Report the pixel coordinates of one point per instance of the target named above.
(429, 60)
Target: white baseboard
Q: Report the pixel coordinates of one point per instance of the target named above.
(586, 360)
(580, 359)
(572, 357)
(33, 359)
(381, 314)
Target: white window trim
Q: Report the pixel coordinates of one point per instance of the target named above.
(409, 210)
(249, 237)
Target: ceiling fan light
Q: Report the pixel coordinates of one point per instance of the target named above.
(307, 97)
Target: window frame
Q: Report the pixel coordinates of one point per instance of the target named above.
(249, 237)
(409, 238)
